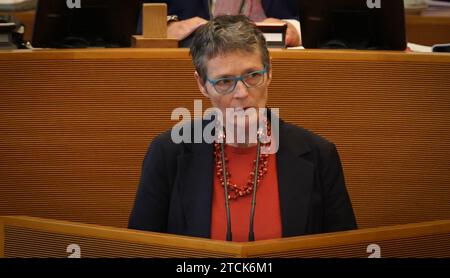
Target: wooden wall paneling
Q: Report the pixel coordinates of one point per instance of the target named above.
(75, 125)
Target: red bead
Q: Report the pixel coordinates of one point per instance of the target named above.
(236, 190)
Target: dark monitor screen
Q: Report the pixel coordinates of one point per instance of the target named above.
(97, 23)
(353, 24)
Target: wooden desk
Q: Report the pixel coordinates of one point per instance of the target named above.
(76, 124)
(41, 238)
(427, 30)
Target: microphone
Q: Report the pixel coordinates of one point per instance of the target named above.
(225, 180)
(251, 234)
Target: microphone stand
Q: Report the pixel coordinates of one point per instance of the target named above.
(251, 234)
(225, 180)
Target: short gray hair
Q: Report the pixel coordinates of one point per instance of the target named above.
(225, 34)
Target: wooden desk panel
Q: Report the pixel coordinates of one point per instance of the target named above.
(29, 237)
(75, 126)
(41, 238)
(419, 240)
(428, 30)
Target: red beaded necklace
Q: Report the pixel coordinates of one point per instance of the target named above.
(235, 190)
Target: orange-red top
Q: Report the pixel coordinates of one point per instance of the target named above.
(267, 222)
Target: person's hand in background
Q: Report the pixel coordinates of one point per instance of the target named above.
(292, 35)
(183, 28)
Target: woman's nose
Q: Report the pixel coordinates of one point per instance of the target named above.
(241, 90)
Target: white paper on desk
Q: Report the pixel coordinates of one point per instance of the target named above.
(419, 48)
(273, 37)
(296, 47)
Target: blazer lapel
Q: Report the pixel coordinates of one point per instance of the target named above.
(196, 178)
(295, 181)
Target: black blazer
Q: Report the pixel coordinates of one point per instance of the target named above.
(175, 190)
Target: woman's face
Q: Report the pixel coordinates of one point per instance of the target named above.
(234, 64)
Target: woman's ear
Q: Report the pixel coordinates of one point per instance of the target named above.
(201, 84)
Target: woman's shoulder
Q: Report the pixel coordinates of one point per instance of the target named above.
(180, 138)
(297, 133)
(313, 147)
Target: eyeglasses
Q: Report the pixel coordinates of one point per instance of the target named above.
(227, 84)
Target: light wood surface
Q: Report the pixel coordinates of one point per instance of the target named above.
(37, 237)
(428, 30)
(154, 22)
(361, 56)
(23, 233)
(426, 239)
(76, 124)
(2, 239)
(141, 42)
